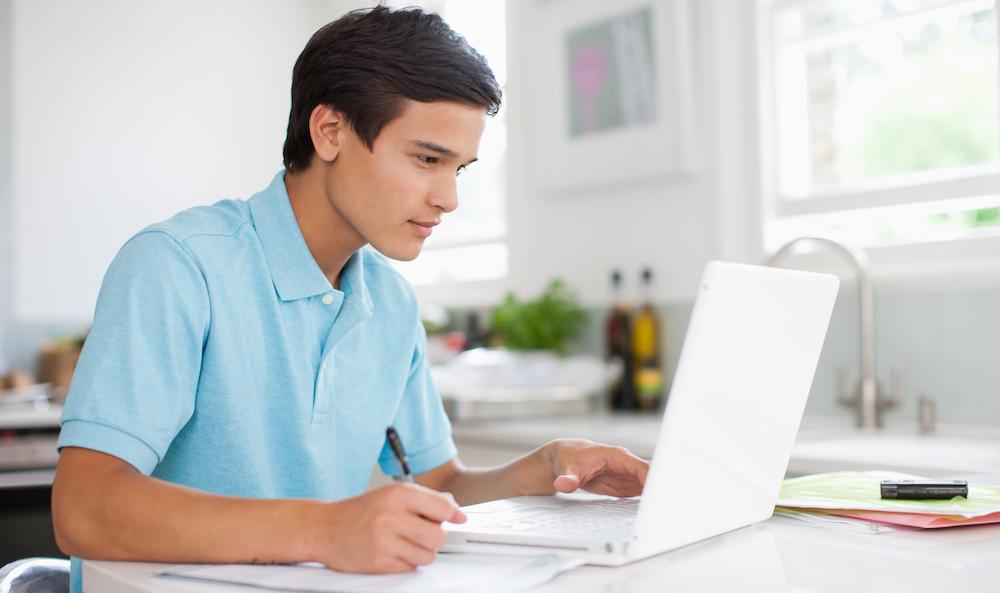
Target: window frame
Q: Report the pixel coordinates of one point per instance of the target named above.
(965, 262)
(462, 291)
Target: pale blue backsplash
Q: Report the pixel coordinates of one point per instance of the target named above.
(947, 341)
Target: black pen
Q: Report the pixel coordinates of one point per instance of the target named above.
(397, 449)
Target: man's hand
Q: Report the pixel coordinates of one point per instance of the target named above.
(104, 509)
(597, 468)
(393, 529)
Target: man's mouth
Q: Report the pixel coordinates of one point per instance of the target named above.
(424, 228)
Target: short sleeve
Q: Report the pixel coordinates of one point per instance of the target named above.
(420, 421)
(134, 387)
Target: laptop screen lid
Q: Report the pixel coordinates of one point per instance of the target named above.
(736, 402)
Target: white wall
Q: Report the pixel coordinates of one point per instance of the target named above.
(6, 201)
(125, 112)
(673, 225)
(198, 96)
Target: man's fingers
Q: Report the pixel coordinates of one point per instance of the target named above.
(412, 554)
(459, 517)
(392, 564)
(434, 506)
(635, 466)
(566, 483)
(568, 478)
(642, 472)
(605, 470)
(424, 533)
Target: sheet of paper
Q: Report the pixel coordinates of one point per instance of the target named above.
(860, 491)
(916, 519)
(838, 523)
(450, 573)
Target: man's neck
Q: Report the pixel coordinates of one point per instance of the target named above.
(330, 238)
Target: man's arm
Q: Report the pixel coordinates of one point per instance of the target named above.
(103, 508)
(562, 465)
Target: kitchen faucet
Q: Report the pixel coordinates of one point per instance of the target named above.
(867, 400)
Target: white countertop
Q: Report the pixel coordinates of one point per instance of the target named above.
(777, 555)
(43, 415)
(28, 478)
(780, 554)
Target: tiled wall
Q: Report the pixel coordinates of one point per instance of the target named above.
(948, 343)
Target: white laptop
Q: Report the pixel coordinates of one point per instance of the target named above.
(728, 427)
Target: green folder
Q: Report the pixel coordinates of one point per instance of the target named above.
(860, 491)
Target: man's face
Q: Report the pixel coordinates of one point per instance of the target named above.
(394, 194)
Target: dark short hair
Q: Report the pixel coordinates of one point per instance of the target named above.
(370, 61)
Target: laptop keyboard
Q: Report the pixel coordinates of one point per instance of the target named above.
(593, 517)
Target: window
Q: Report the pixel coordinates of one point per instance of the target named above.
(883, 116)
(469, 245)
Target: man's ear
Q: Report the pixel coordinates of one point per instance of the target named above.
(327, 125)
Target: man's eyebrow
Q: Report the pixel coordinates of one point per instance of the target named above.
(435, 147)
(439, 149)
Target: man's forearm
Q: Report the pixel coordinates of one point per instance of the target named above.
(120, 514)
(563, 465)
(527, 475)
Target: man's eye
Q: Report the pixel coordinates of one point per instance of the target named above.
(428, 160)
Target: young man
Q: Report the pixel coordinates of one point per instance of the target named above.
(246, 358)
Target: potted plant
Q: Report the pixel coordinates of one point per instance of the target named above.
(546, 323)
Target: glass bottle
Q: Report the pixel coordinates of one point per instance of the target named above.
(618, 347)
(648, 378)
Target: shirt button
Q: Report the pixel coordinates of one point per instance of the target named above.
(324, 365)
(327, 299)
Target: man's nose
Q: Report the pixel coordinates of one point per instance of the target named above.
(445, 195)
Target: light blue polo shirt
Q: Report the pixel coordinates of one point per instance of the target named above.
(222, 359)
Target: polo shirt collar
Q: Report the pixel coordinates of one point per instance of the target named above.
(352, 280)
(294, 271)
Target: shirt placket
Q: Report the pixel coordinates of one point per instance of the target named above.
(351, 314)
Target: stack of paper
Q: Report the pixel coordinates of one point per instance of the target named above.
(857, 495)
(450, 573)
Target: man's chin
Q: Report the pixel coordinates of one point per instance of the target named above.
(406, 253)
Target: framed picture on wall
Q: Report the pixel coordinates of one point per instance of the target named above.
(611, 92)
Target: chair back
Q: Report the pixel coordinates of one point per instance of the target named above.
(35, 575)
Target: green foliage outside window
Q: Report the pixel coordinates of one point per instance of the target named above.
(931, 106)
